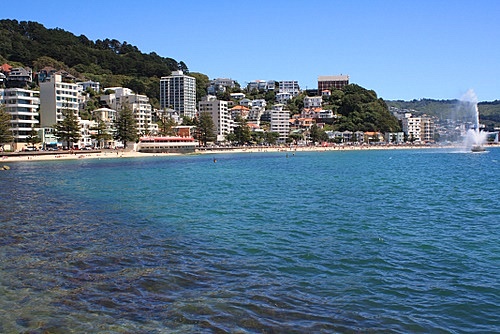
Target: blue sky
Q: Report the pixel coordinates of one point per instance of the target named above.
(401, 49)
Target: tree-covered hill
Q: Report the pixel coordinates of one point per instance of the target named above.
(110, 62)
(489, 112)
(361, 110)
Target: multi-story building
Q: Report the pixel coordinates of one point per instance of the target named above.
(19, 77)
(313, 101)
(220, 85)
(328, 82)
(57, 96)
(261, 85)
(178, 92)
(280, 122)
(220, 115)
(22, 105)
(428, 129)
(283, 97)
(289, 86)
(96, 86)
(419, 129)
(139, 104)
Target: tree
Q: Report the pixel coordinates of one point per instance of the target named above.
(101, 134)
(206, 128)
(126, 126)
(5, 126)
(33, 138)
(272, 137)
(317, 134)
(166, 126)
(242, 132)
(202, 82)
(68, 129)
(295, 137)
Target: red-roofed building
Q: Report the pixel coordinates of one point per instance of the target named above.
(5, 68)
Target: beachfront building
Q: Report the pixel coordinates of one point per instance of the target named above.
(330, 82)
(56, 97)
(139, 104)
(221, 116)
(22, 105)
(394, 137)
(280, 122)
(419, 129)
(178, 92)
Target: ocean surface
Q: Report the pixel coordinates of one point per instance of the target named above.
(402, 241)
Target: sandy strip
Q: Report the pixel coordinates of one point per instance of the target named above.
(132, 154)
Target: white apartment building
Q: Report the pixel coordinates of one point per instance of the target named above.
(420, 129)
(86, 132)
(261, 85)
(259, 103)
(178, 91)
(289, 86)
(313, 101)
(220, 115)
(139, 104)
(57, 96)
(280, 122)
(283, 97)
(237, 96)
(22, 105)
(220, 85)
(96, 86)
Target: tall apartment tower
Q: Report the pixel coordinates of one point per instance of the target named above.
(280, 122)
(57, 96)
(178, 92)
(221, 115)
(327, 82)
(22, 105)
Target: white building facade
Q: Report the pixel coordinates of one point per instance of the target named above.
(221, 116)
(313, 101)
(178, 91)
(139, 104)
(280, 122)
(57, 96)
(22, 105)
(289, 86)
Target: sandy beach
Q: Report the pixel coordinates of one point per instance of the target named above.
(113, 154)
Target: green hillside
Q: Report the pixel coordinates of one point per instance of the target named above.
(489, 112)
(110, 62)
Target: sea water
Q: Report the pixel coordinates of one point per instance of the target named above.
(358, 241)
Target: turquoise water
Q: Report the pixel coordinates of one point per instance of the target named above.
(319, 242)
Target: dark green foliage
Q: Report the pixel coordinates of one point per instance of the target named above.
(101, 134)
(202, 82)
(68, 130)
(5, 132)
(126, 126)
(317, 135)
(205, 128)
(33, 138)
(31, 44)
(361, 110)
(242, 132)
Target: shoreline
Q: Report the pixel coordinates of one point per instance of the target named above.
(115, 154)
